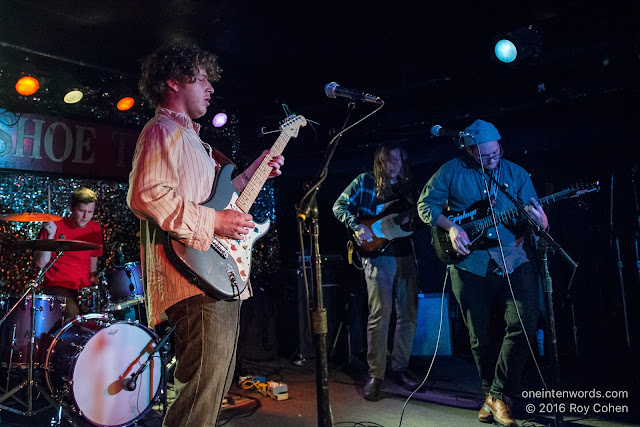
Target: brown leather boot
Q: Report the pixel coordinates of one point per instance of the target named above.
(500, 410)
(484, 414)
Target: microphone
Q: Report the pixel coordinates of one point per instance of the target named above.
(333, 89)
(438, 130)
(128, 384)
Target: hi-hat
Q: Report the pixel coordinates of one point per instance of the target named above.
(30, 217)
(58, 245)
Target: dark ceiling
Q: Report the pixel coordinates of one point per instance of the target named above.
(428, 60)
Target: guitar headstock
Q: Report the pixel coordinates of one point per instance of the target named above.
(584, 188)
(292, 125)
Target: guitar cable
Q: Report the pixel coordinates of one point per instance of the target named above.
(508, 277)
(435, 351)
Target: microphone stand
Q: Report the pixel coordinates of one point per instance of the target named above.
(307, 210)
(129, 384)
(634, 170)
(548, 287)
(615, 240)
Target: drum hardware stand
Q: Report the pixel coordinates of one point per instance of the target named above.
(29, 382)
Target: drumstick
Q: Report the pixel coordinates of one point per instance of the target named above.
(49, 198)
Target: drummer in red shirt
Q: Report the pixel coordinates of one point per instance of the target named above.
(74, 269)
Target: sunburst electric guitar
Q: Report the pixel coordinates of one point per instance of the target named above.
(223, 270)
(385, 228)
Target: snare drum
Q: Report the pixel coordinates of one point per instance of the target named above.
(87, 361)
(15, 330)
(125, 286)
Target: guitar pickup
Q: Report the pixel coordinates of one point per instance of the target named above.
(217, 246)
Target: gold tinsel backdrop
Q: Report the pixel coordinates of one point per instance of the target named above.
(24, 192)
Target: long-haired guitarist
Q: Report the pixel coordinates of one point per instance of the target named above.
(482, 279)
(173, 173)
(392, 275)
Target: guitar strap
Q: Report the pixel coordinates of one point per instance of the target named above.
(493, 188)
(221, 158)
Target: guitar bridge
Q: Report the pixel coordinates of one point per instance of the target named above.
(217, 246)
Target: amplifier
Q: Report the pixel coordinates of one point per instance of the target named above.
(428, 320)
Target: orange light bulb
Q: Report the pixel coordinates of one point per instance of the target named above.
(125, 103)
(27, 86)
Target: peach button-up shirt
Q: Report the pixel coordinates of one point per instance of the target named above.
(173, 172)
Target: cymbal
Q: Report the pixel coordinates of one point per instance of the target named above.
(30, 217)
(58, 245)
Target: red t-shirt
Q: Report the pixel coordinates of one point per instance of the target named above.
(71, 270)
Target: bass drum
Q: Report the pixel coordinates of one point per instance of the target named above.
(87, 361)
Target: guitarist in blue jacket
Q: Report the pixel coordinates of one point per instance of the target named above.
(487, 278)
(391, 276)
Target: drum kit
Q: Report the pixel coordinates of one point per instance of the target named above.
(98, 370)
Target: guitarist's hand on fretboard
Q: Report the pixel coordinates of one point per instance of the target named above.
(232, 223)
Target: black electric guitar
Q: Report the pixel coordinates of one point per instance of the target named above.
(385, 227)
(223, 270)
(477, 222)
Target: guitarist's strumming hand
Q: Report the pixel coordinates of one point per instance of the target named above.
(459, 239)
(363, 233)
(536, 212)
(232, 223)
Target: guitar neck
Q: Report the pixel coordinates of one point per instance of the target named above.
(260, 176)
(487, 221)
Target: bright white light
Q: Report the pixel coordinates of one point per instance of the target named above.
(506, 51)
(219, 120)
(73, 96)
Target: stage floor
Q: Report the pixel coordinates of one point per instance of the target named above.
(451, 397)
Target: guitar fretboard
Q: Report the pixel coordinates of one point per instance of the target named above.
(487, 221)
(260, 176)
(250, 193)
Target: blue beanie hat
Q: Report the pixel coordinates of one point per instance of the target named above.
(481, 132)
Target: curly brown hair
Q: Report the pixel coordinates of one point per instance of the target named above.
(178, 61)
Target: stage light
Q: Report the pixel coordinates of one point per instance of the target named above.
(506, 51)
(125, 103)
(73, 96)
(219, 120)
(27, 85)
(523, 43)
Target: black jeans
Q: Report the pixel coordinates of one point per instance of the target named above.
(480, 297)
